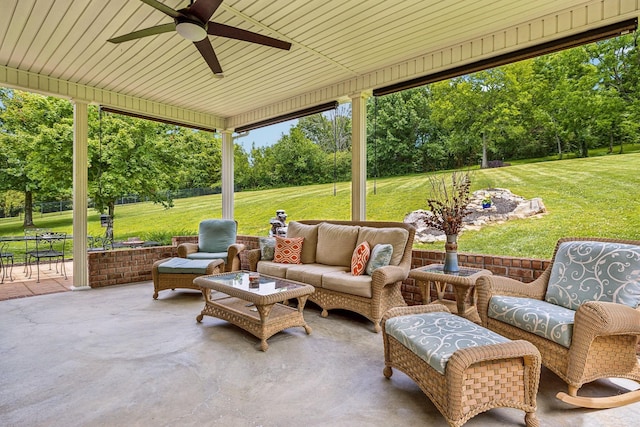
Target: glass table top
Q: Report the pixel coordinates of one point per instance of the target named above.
(267, 285)
(439, 269)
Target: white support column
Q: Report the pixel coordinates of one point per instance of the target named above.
(80, 180)
(359, 156)
(227, 174)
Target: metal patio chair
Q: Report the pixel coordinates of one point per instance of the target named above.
(49, 246)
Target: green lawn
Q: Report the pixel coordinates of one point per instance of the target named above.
(597, 197)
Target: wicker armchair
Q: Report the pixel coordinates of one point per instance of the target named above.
(582, 314)
(216, 240)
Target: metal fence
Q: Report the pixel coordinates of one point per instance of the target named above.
(67, 205)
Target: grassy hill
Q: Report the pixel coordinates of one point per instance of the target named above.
(597, 196)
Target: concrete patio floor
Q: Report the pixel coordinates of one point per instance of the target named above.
(115, 357)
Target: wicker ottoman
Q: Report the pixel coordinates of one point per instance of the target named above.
(171, 273)
(462, 367)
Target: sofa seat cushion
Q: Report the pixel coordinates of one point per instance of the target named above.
(549, 321)
(184, 266)
(396, 237)
(311, 274)
(274, 269)
(208, 255)
(345, 282)
(435, 337)
(594, 271)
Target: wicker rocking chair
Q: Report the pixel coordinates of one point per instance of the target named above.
(582, 314)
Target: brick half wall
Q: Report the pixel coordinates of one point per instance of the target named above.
(118, 267)
(134, 265)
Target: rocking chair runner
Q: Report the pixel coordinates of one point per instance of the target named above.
(582, 313)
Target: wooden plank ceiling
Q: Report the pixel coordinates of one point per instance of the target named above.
(333, 43)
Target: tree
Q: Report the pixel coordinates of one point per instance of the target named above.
(401, 137)
(132, 156)
(201, 162)
(36, 141)
(618, 66)
(331, 131)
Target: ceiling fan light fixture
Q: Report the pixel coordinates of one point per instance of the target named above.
(191, 31)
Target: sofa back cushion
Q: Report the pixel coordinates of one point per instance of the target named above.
(310, 234)
(216, 235)
(396, 237)
(594, 271)
(336, 244)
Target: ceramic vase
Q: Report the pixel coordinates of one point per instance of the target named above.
(451, 254)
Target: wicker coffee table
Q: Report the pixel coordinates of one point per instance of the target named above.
(259, 311)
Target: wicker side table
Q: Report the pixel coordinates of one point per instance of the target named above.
(463, 283)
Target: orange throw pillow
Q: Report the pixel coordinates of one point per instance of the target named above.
(359, 259)
(288, 250)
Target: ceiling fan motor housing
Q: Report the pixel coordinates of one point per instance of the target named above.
(190, 27)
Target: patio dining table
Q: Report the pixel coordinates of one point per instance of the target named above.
(26, 239)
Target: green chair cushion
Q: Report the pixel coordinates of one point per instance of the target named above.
(208, 255)
(184, 266)
(216, 235)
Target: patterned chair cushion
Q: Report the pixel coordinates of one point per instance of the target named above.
(434, 337)
(549, 321)
(595, 271)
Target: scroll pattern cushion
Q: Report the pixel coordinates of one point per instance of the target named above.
(359, 259)
(434, 337)
(288, 250)
(549, 321)
(595, 271)
(380, 257)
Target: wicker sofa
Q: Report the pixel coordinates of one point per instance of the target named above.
(582, 313)
(325, 264)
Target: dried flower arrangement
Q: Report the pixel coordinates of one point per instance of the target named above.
(448, 202)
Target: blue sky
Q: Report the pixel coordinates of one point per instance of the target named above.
(265, 136)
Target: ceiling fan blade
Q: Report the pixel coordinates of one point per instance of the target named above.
(206, 50)
(204, 9)
(162, 8)
(229, 32)
(164, 28)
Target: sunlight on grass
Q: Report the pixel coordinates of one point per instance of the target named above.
(596, 197)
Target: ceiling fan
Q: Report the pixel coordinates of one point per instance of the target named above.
(193, 24)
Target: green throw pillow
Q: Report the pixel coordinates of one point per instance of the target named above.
(380, 257)
(267, 248)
